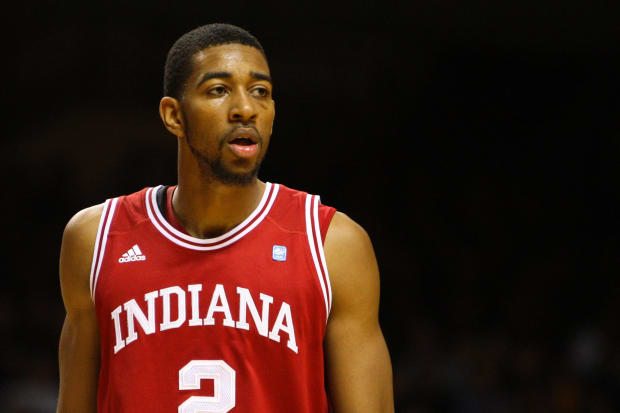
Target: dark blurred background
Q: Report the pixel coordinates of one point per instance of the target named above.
(476, 142)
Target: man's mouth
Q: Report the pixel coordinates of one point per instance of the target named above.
(243, 142)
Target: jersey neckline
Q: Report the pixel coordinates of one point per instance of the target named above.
(207, 244)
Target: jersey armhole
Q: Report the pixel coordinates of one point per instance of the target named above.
(326, 214)
(100, 243)
(316, 238)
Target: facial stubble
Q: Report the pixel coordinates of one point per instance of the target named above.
(212, 167)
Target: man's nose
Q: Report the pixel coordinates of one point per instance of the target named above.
(243, 108)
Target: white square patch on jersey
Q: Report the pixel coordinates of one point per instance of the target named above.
(279, 253)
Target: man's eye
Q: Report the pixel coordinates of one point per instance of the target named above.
(217, 90)
(261, 92)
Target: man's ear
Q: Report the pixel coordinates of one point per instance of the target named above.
(170, 112)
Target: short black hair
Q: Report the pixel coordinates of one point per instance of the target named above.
(178, 63)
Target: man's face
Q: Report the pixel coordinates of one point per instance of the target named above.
(229, 111)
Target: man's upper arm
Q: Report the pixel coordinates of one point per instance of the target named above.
(359, 371)
(76, 257)
(79, 341)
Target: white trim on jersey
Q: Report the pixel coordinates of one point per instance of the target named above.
(187, 237)
(319, 243)
(93, 264)
(104, 223)
(311, 243)
(269, 196)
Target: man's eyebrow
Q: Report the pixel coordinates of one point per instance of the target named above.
(261, 76)
(211, 75)
(227, 75)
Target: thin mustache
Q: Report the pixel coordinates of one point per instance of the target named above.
(230, 132)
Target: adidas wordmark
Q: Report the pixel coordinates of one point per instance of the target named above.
(134, 254)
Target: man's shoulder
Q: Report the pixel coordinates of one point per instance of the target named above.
(345, 233)
(76, 252)
(82, 227)
(353, 270)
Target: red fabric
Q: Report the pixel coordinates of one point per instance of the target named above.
(325, 218)
(269, 376)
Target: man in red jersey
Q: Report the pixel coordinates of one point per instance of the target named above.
(222, 293)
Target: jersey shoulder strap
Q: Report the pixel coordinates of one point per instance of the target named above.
(130, 209)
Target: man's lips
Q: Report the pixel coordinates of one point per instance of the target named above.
(243, 151)
(243, 142)
(243, 136)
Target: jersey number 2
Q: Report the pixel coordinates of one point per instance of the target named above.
(223, 377)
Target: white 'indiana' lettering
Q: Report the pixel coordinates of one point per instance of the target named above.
(134, 312)
(165, 293)
(218, 304)
(245, 302)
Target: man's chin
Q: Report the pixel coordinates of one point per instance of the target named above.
(235, 178)
(235, 175)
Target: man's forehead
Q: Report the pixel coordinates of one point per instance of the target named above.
(228, 57)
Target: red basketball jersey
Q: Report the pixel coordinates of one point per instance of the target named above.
(233, 323)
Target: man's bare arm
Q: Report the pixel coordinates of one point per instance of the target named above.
(79, 341)
(359, 371)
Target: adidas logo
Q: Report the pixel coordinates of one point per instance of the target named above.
(134, 254)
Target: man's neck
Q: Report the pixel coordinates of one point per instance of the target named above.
(209, 209)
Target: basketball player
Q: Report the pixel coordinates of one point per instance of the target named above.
(222, 293)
